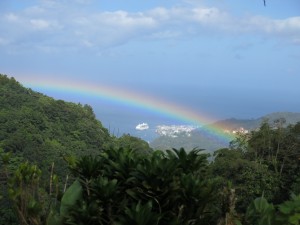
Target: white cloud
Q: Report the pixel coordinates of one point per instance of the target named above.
(287, 29)
(124, 19)
(56, 24)
(275, 26)
(208, 15)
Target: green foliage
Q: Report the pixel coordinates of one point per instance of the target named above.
(260, 212)
(122, 186)
(279, 149)
(140, 214)
(26, 195)
(290, 211)
(250, 179)
(263, 213)
(295, 188)
(8, 163)
(134, 143)
(70, 197)
(68, 201)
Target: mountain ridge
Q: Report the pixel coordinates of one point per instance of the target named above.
(251, 124)
(198, 138)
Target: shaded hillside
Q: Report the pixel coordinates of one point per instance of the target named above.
(198, 139)
(290, 117)
(42, 129)
(252, 124)
(195, 139)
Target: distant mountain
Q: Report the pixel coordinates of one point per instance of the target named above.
(252, 124)
(291, 117)
(198, 139)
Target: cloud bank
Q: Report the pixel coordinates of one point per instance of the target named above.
(55, 26)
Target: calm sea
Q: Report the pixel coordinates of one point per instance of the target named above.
(120, 122)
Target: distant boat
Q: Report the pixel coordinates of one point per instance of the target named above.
(142, 126)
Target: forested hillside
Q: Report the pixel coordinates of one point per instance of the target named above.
(195, 139)
(42, 129)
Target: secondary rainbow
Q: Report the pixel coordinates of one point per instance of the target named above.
(133, 99)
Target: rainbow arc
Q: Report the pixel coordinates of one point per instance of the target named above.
(132, 99)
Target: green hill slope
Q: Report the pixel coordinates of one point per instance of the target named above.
(196, 139)
(42, 129)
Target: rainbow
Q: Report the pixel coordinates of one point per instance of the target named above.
(132, 99)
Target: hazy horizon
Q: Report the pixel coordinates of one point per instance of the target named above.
(220, 58)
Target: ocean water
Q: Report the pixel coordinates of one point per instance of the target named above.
(119, 122)
(120, 118)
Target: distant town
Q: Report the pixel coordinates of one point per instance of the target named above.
(175, 130)
(241, 130)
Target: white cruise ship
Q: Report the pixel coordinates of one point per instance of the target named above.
(142, 126)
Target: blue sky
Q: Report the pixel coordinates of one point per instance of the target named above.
(227, 58)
